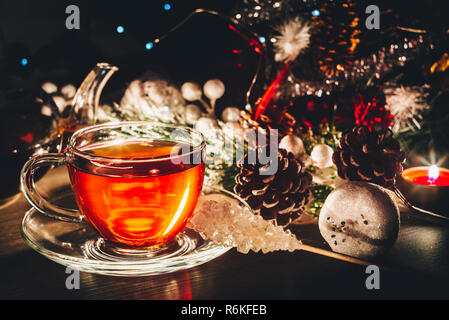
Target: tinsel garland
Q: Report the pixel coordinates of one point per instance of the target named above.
(258, 12)
(365, 70)
(405, 46)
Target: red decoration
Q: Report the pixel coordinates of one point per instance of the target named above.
(28, 138)
(363, 110)
(252, 42)
(371, 113)
(269, 93)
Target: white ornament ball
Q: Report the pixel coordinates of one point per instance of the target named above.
(322, 156)
(192, 113)
(49, 87)
(165, 113)
(214, 89)
(68, 91)
(206, 126)
(191, 91)
(233, 129)
(103, 113)
(46, 110)
(292, 144)
(230, 114)
(60, 102)
(359, 219)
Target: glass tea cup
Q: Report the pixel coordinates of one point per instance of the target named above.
(136, 182)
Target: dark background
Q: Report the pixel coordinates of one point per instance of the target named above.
(36, 30)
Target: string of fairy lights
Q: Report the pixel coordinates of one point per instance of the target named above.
(119, 29)
(149, 45)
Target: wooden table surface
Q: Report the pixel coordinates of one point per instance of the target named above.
(420, 261)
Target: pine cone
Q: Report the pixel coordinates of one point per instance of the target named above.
(370, 155)
(282, 196)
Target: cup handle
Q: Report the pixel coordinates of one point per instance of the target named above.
(36, 200)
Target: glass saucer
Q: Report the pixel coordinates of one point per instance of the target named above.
(78, 245)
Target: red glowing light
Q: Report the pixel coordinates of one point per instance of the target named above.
(369, 113)
(427, 176)
(268, 95)
(28, 138)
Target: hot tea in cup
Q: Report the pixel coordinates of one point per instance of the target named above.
(136, 183)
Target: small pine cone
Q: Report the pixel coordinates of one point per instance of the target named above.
(370, 155)
(281, 196)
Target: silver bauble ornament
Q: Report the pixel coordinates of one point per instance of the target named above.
(68, 91)
(292, 144)
(322, 156)
(49, 87)
(60, 102)
(207, 126)
(154, 99)
(192, 113)
(359, 219)
(233, 130)
(230, 114)
(191, 91)
(214, 89)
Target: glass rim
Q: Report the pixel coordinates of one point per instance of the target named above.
(71, 148)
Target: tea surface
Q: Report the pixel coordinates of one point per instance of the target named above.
(137, 202)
